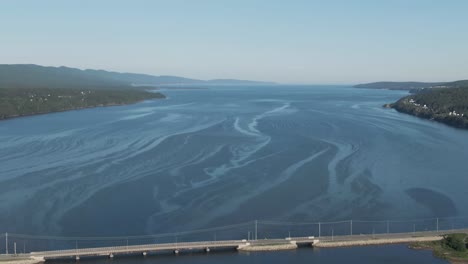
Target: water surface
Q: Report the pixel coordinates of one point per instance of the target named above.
(392, 254)
(227, 155)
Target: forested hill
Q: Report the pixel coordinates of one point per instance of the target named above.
(449, 105)
(415, 86)
(27, 89)
(35, 76)
(15, 102)
(31, 89)
(397, 85)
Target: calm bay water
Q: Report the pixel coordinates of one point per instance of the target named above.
(227, 155)
(393, 254)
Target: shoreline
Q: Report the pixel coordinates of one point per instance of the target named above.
(433, 118)
(444, 106)
(452, 261)
(78, 109)
(19, 259)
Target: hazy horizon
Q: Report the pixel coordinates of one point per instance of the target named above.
(301, 42)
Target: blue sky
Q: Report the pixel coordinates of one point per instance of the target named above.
(285, 41)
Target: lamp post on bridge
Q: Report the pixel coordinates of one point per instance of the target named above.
(6, 243)
(320, 229)
(256, 226)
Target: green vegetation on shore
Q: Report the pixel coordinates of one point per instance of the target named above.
(453, 247)
(16, 102)
(32, 89)
(28, 89)
(449, 105)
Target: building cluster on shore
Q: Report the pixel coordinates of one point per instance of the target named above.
(411, 101)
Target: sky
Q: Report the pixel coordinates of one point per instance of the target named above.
(303, 42)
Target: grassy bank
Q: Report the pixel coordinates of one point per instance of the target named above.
(452, 248)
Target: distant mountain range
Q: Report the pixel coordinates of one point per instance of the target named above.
(36, 76)
(412, 85)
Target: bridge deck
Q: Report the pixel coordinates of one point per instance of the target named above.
(391, 235)
(138, 249)
(135, 249)
(101, 251)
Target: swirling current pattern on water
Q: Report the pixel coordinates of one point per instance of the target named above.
(226, 155)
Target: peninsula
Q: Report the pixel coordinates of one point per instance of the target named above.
(31, 89)
(445, 102)
(28, 101)
(446, 105)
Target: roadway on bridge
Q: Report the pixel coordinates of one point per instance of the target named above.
(237, 244)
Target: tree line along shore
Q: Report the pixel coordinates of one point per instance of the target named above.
(445, 105)
(445, 102)
(29, 89)
(16, 102)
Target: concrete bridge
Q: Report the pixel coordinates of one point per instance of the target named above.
(247, 245)
(147, 247)
(176, 248)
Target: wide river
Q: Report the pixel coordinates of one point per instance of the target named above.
(228, 155)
